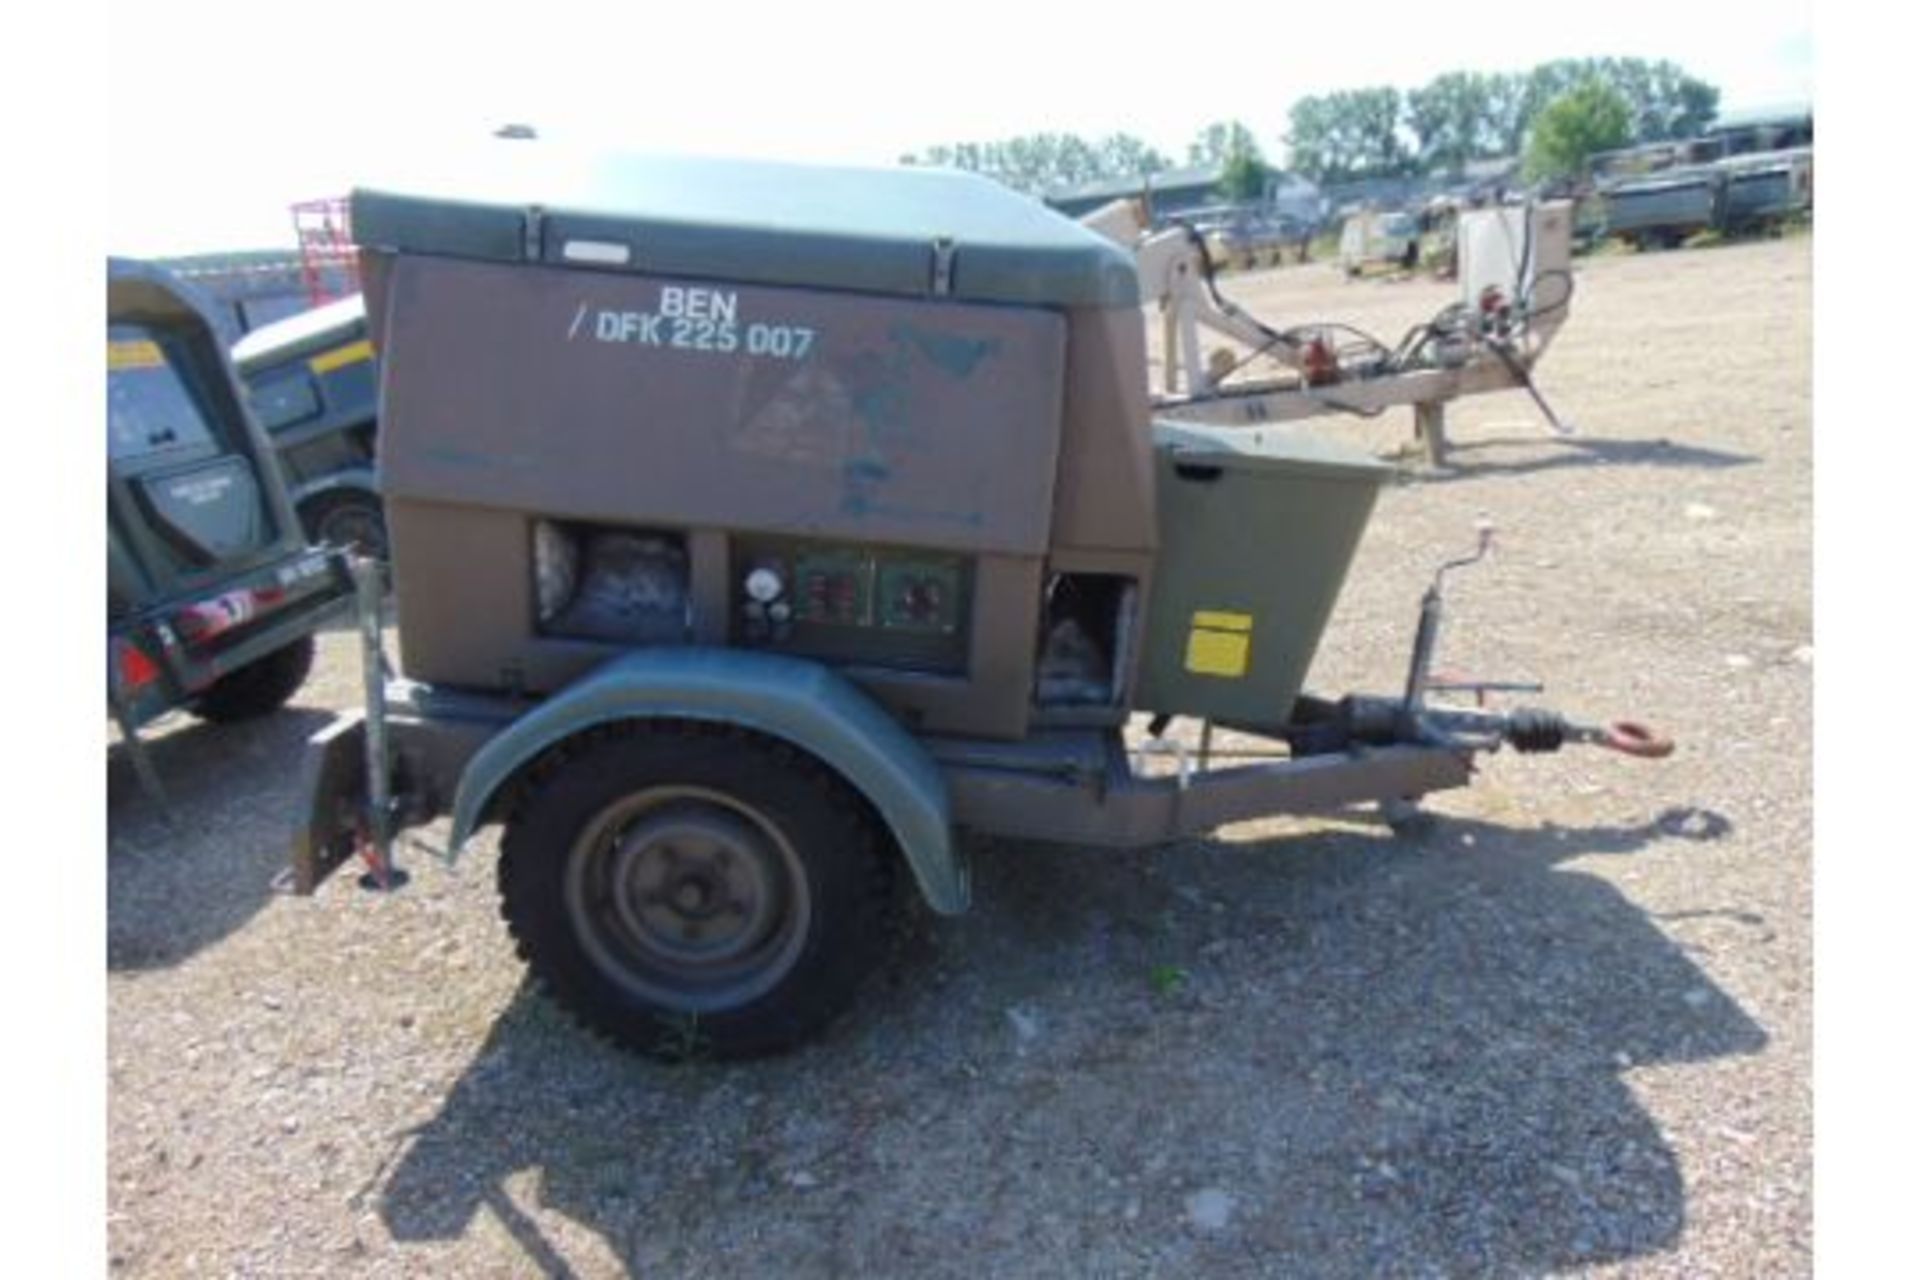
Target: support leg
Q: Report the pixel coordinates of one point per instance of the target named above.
(1430, 430)
(1404, 816)
(137, 752)
(1170, 350)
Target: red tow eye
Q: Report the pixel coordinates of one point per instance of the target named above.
(1633, 739)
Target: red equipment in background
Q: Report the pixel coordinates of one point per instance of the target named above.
(329, 263)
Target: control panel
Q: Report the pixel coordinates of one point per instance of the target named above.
(869, 605)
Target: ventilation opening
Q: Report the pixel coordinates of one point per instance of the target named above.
(597, 582)
(1086, 635)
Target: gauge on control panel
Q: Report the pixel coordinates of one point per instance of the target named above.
(834, 587)
(919, 595)
(764, 585)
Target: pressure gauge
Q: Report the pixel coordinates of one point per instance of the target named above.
(764, 585)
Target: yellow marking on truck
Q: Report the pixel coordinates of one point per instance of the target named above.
(135, 354)
(1220, 644)
(339, 357)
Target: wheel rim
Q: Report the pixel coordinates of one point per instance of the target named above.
(356, 526)
(687, 898)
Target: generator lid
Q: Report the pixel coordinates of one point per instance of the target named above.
(1266, 449)
(913, 232)
(300, 335)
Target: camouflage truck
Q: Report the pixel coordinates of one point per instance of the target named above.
(759, 531)
(213, 595)
(312, 381)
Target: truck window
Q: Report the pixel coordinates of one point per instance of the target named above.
(150, 409)
(284, 401)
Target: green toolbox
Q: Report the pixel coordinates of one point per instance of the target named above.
(1257, 529)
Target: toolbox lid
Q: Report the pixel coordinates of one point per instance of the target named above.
(1282, 449)
(301, 335)
(915, 232)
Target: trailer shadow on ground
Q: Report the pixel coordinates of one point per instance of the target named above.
(1513, 455)
(1336, 1053)
(178, 878)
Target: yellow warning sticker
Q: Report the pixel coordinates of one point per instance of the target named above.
(339, 357)
(139, 353)
(1215, 620)
(1220, 644)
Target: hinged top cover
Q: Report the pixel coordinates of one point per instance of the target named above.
(872, 230)
(1283, 449)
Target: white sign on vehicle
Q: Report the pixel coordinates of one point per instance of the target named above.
(693, 318)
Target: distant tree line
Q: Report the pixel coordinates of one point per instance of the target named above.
(1461, 116)
(1041, 162)
(1471, 115)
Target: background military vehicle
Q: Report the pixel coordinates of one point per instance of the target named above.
(1379, 237)
(757, 527)
(213, 594)
(312, 381)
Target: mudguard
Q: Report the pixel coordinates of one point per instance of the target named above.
(361, 478)
(799, 702)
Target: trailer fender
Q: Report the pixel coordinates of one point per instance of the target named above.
(802, 703)
(360, 479)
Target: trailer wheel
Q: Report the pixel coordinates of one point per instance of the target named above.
(689, 890)
(261, 686)
(346, 518)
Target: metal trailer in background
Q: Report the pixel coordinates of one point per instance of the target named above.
(1379, 238)
(743, 557)
(1247, 237)
(1665, 207)
(1516, 285)
(1739, 193)
(1766, 189)
(213, 594)
(313, 382)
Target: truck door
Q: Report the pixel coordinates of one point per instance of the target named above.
(187, 489)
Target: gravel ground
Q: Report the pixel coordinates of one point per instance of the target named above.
(1566, 1026)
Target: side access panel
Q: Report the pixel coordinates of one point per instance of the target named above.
(797, 411)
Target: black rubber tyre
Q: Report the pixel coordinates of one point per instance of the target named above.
(695, 891)
(259, 687)
(347, 518)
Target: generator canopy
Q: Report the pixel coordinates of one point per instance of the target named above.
(911, 232)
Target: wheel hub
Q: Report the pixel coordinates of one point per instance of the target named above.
(688, 898)
(694, 884)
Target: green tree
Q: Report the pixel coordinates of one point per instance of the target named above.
(1243, 177)
(1509, 112)
(1218, 143)
(1592, 116)
(1674, 105)
(1663, 101)
(1354, 133)
(1452, 120)
(1121, 155)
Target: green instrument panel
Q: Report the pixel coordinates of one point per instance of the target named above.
(858, 604)
(920, 595)
(834, 587)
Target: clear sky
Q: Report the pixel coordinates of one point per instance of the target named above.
(226, 111)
